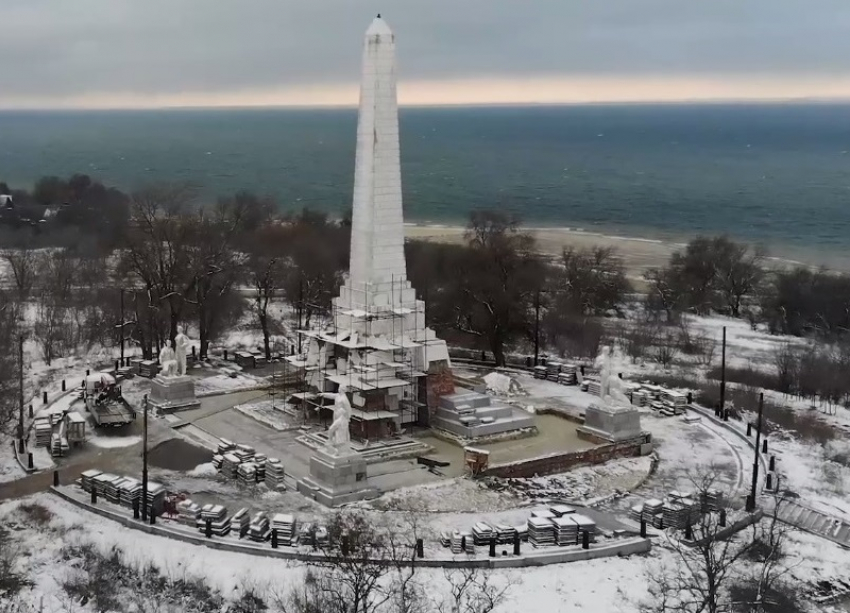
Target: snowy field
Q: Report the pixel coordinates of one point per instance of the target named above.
(46, 540)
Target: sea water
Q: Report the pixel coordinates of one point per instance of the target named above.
(777, 174)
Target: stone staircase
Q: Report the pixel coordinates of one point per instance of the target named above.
(810, 520)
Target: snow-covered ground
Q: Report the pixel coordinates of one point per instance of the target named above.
(611, 584)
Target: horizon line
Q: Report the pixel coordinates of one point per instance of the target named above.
(496, 104)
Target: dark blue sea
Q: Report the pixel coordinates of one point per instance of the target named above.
(777, 174)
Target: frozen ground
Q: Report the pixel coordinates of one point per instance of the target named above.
(611, 584)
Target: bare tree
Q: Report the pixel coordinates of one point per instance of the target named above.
(24, 262)
(266, 266)
(590, 281)
(473, 590)
(637, 339)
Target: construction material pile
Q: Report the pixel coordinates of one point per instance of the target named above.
(216, 515)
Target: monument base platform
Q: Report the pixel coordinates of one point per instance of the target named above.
(170, 394)
(336, 479)
(611, 424)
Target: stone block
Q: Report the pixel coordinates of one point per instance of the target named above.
(337, 479)
(169, 394)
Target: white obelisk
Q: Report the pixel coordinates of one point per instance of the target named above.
(377, 233)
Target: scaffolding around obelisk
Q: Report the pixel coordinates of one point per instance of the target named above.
(376, 342)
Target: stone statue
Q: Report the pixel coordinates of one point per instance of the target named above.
(181, 345)
(339, 438)
(611, 389)
(167, 363)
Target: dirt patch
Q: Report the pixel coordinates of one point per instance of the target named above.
(178, 454)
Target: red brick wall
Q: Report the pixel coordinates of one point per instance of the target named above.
(439, 382)
(560, 462)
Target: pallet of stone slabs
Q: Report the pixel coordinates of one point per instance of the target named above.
(87, 479)
(482, 533)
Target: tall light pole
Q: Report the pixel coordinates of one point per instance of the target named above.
(723, 376)
(145, 460)
(21, 428)
(536, 326)
(751, 499)
(121, 326)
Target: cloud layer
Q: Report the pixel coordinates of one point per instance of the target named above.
(161, 52)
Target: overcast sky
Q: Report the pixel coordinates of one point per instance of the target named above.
(116, 53)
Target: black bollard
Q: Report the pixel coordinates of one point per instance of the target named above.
(274, 538)
(55, 478)
(585, 539)
(88, 372)
(690, 397)
(116, 366)
(722, 518)
(516, 544)
(493, 547)
(63, 385)
(208, 529)
(345, 546)
(463, 543)
(769, 482)
(136, 509)
(225, 355)
(643, 528)
(29, 460)
(581, 369)
(725, 414)
(749, 429)
(21, 445)
(772, 463)
(420, 548)
(93, 495)
(689, 534)
(764, 446)
(153, 516)
(30, 411)
(528, 362)
(44, 397)
(776, 488)
(193, 352)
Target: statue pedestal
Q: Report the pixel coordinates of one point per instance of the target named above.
(336, 479)
(169, 394)
(610, 423)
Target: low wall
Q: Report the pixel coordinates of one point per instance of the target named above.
(531, 557)
(561, 462)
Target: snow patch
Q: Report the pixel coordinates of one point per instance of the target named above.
(203, 470)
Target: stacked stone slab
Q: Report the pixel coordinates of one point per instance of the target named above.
(473, 415)
(170, 394)
(610, 423)
(336, 479)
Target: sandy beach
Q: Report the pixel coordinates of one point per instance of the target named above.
(638, 254)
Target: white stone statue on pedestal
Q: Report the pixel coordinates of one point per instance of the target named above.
(167, 362)
(611, 389)
(339, 437)
(181, 345)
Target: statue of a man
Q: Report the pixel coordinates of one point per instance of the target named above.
(611, 386)
(339, 437)
(167, 363)
(181, 346)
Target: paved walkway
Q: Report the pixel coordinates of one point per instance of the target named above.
(815, 522)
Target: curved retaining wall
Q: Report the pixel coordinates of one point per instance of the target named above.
(534, 558)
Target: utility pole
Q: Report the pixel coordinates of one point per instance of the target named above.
(537, 326)
(751, 499)
(121, 326)
(723, 375)
(21, 429)
(145, 460)
(300, 309)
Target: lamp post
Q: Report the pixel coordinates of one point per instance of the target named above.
(145, 460)
(121, 326)
(723, 376)
(536, 327)
(751, 499)
(21, 428)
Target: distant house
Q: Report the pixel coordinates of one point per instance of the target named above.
(50, 211)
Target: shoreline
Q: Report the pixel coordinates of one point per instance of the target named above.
(638, 254)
